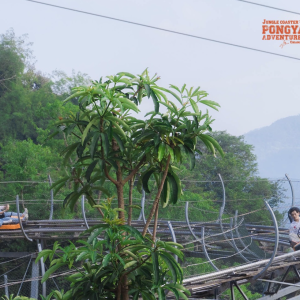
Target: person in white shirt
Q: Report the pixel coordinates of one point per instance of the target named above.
(294, 231)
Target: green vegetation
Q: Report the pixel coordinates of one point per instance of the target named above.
(105, 151)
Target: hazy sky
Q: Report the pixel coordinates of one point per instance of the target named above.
(254, 89)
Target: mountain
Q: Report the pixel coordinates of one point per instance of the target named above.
(277, 148)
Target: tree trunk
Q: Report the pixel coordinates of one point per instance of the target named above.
(131, 183)
(156, 201)
(155, 223)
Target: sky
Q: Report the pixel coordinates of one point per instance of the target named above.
(254, 89)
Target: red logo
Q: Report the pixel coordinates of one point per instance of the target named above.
(287, 31)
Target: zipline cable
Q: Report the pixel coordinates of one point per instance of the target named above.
(272, 7)
(162, 29)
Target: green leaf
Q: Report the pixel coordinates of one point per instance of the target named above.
(165, 193)
(148, 89)
(168, 106)
(128, 103)
(145, 135)
(68, 151)
(170, 92)
(155, 265)
(173, 188)
(182, 295)
(105, 143)
(129, 264)
(77, 94)
(51, 135)
(155, 101)
(93, 145)
(175, 87)
(126, 74)
(106, 260)
(44, 253)
(161, 293)
(172, 289)
(174, 250)
(90, 169)
(87, 128)
(191, 156)
(215, 143)
(119, 141)
(132, 231)
(67, 199)
(161, 151)
(145, 180)
(136, 295)
(51, 270)
(96, 227)
(119, 130)
(171, 266)
(194, 106)
(210, 103)
(118, 120)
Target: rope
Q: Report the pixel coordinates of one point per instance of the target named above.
(24, 276)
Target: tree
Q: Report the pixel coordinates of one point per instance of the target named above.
(112, 144)
(109, 137)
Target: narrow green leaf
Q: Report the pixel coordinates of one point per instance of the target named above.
(94, 144)
(126, 74)
(170, 92)
(69, 151)
(129, 264)
(51, 270)
(175, 87)
(165, 194)
(174, 250)
(161, 293)
(148, 89)
(194, 106)
(119, 130)
(87, 128)
(90, 169)
(105, 143)
(128, 103)
(67, 199)
(132, 231)
(145, 180)
(161, 151)
(118, 120)
(210, 103)
(170, 265)
(215, 144)
(173, 188)
(191, 156)
(155, 265)
(106, 259)
(119, 141)
(155, 101)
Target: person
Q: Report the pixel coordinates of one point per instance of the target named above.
(8, 217)
(294, 230)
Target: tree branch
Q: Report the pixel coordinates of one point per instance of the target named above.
(156, 201)
(108, 176)
(134, 171)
